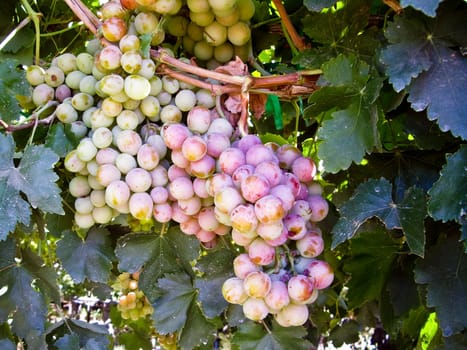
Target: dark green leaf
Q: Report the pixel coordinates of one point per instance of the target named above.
(170, 310)
(22, 39)
(85, 331)
(426, 6)
(347, 333)
(318, 5)
(58, 141)
(371, 260)
(216, 267)
(444, 270)
(403, 291)
(197, 330)
(327, 98)
(12, 84)
(68, 342)
(253, 336)
(374, 198)
(448, 196)
(91, 258)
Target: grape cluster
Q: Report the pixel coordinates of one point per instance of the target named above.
(155, 149)
(132, 303)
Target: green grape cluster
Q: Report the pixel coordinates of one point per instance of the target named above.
(132, 303)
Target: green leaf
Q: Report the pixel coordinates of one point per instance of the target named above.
(23, 38)
(68, 342)
(57, 140)
(372, 256)
(444, 271)
(373, 199)
(448, 196)
(253, 336)
(428, 7)
(91, 258)
(87, 333)
(346, 137)
(347, 333)
(318, 5)
(12, 84)
(7, 344)
(216, 268)
(170, 310)
(169, 253)
(197, 330)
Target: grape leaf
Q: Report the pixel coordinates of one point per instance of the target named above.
(373, 199)
(12, 84)
(160, 254)
(426, 6)
(26, 306)
(318, 5)
(444, 271)
(448, 196)
(197, 330)
(86, 259)
(216, 268)
(23, 38)
(170, 310)
(68, 342)
(372, 257)
(7, 344)
(88, 333)
(348, 332)
(253, 336)
(58, 141)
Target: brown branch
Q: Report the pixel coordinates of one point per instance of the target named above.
(33, 121)
(81, 11)
(296, 39)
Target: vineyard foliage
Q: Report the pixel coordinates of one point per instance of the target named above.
(385, 124)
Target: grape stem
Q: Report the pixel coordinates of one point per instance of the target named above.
(89, 19)
(34, 119)
(296, 39)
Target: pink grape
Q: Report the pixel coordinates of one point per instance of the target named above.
(259, 153)
(106, 156)
(190, 206)
(190, 226)
(254, 186)
(175, 171)
(233, 292)
(178, 215)
(311, 245)
(286, 155)
(280, 240)
(222, 126)
(243, 266)
(230, 159)
(269, 209)
(194, 148)
(138, 180)
(271, 171)
(222, 229)
(241, 239)
(203, 168)
(207, 219)
(241, 173)
(291, 181)
(159, 176)
(147, 157)
(302, 192)
(296, 226)
(320, 272)
(174, 134)
(270, 232)
(302, 208)
(109, 57)
(255, 309)
(257, 284)
(260, 252)
(106, 173)
(129, 141)
(179, 159)
(292, 315)
(181, 188)
(159, 194)
(217, 182)
(216, 144)
(278, 296)
(243, 218)
(247, 141)
(304, 168)
(141, 206)
(319, 207)
(227, 199)
(300, 289)
(117, 193)
(205, 236)
(162, 212)
(199, 119)
(284, 193)
(199, 187)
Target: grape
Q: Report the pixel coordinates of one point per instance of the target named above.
(102, 137)
(85, 62)
(278, 296)
(106, 173)
(110, 107)
(73, 162)
(269, 209)
(174, 134)
(246, 9)
(202, 19)
(42, 93)
(205, 236)
(84, 221)
(179, 160)
(255, 309)
(170, 85)
(148, 67)
(156, 85)
(112, 9)
(259, 153)
(286, 196)
(319, 207)
(203, 168)
(217, 182)
(138, 180)
(271, 231)
(254, 186)
(230, 159)
(157, 142)
(292, 315)
(54, 76)
(35, 75)
(241, 239)
(102, 215)
(190, 226)
(304, 168)
(88, 85)
(62, 93)
(109, 58)
(320, 272)
(79, 186)
(159, 176)
(233, 292)
(170, 113)
(257, 284)
(151, 108)
(141, 206)
(287, 154)
(66, 113)
(167, 7)
(296, 226)
(106, 156)
(243, 218)
(83, 205)
(113, 29)
(111, 84)
(181, 188)
(97, 198)
(194, 148)
(176, 25)
(127, 120)
(205, 98)
(73, 79)
(243, 266)
(128, 141)
(239, 33)
(215, 34)
(178, 215)
(162, 212)
(86, 150)
(146, 22)
(159, 195)
(260, 252)
(185, 100)
(199, 188)
(203, 50)
(300, 289)
(129, 42)
(117, 193)
(137, 87)
(94, 183)
(216, 144)
(190, 206)
(147, 157)
(227, 198)
(198, 5)
(222, 217)
(223, 52)
(291, 181)
(175, 171)
(311, 245)
(131, 62)
(271, 171)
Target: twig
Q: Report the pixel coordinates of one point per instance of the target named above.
(296, 39)
(34, 121)
(89, 19)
